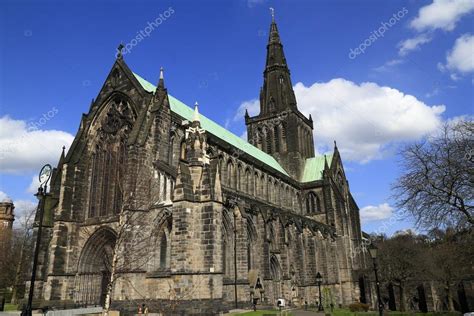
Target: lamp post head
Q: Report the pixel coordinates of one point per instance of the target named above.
(319, 278)
(373, 251)
(45, 174)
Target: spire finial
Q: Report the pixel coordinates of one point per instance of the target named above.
(196, 113)
(161, 81)
(63, 156)
(273, 14)
(119, 51)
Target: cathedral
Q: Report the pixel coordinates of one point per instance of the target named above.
(156, 204)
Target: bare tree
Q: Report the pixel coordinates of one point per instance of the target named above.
(14, 249)
(137, 229)
(450, 259)
(401, 261)
(437, 182)
(24, 240)
(132, 246)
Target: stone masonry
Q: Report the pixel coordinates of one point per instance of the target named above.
(190, 217)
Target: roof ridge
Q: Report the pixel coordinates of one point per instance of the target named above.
(216, 129)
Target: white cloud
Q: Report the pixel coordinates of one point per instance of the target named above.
(3, 196)
(24, 147)
(365, 119)
(441, 14)
(375, 212)
(252, 106)
(24, 212)
(388, 65)
(461, 57)
(412, 44)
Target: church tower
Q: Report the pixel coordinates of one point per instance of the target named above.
(280, 129)
(6, 214)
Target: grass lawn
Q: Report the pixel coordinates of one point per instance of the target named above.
(264, 312)
(11, 307)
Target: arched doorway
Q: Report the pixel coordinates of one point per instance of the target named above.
(463, 303)
(94, 268)
(275, 273)
(362, 297)
(391, 298)
(422, 306)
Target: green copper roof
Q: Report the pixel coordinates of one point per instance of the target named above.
(215, 129)
(313, 168)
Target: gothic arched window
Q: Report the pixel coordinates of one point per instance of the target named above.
(247, 181)
(318, 205)
(170, 151)
(276, 136)
(283, 137)
(271, 105)
(249, 256)
(94, 185)
(230, 174)
(270, 190)
(163, 251)
(312, 203)
(239, 177)
(269, 141)
(182, 150)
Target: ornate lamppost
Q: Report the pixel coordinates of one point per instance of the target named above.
(44, 176)
(319, 280)
(373, 255)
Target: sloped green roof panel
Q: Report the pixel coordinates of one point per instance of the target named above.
(215, 129)
(313, 168)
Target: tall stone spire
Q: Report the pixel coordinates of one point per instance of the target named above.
(277, 91)
(280, 129)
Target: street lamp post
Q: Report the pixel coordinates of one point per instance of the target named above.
(44, 176)
(373, 255)
(319, 280)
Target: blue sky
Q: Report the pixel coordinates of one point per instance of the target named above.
(55, 56)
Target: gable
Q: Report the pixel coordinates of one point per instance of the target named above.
(215, 129)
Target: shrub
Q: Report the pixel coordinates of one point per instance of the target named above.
(359, 307)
